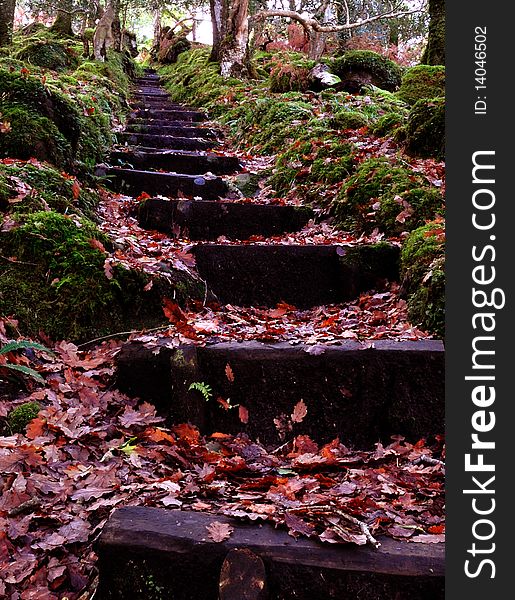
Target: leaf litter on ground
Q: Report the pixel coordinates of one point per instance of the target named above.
(91, 449)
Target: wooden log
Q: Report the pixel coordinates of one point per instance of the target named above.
(142, 548)
(201, 220)
(360, 395)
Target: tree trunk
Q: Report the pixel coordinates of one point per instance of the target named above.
(116, 26)
(316, 44)
(157, 31)
(103, 36)
(194, 28)
(230, 36)
(434, 54)
(63, 22)
(217, 18)
(95, 13)
(6, 21)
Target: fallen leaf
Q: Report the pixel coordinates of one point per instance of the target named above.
(219, 532)
(299, 412)
(108, 269)
(243, 414)
(229, 372)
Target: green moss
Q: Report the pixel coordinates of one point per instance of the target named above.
(387, 124)
(423, 277)
(348, 119)
(425, 129)
(22, 415)
(422, 82)
(32, 135)
(310, 161)
(288, 77)
(34, 188)
(27, 101)
(380, 71)
(49, 54)
(58, 283)
(388, 196)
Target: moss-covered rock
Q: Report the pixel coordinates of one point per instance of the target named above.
(288, 78)
(311, 161)
(388, 124)
(56, 281)
(48, 53)
(171, 47)
(27, 188)
(22, 415)
(388, 196)
(31, 135)
(422, 82)
(357, 68)
(425, 129)
(423, 277)
(38, 112)
(348, 119)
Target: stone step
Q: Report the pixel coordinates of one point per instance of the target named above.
(210, 220)
(147, 78)
(150, 92)
(187, 131)
(362, 393)
(173, 115)
(165, 141)
(133, 182)
(178, 161)
(158, 122)
(161, 104)
(143, 549)
(301, 275)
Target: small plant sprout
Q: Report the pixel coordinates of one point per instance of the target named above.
(203, 388)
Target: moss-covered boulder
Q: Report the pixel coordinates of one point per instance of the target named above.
(171, 47)
(289, 78)
(28, 187)
(49, 54)
(310, 161)
(35, 111)
(423, 277)
(357, 68)
(64, 121)
(386, 196)
(422, 82)
(425, 129)
(348, 119)
(388, 124)
(57, 281)
(31, 135)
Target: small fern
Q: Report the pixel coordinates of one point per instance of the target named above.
(23, 345)
(203, 388)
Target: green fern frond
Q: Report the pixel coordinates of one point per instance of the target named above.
(203, 388)
(23, 344)
(25, 370)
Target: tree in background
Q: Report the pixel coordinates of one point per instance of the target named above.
(230, 36)
(6, 21)
(326, 19)
(434, 53)
(63, 21)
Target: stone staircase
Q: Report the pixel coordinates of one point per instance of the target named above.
(362, 393)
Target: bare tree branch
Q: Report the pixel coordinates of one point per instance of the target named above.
(311, 24)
